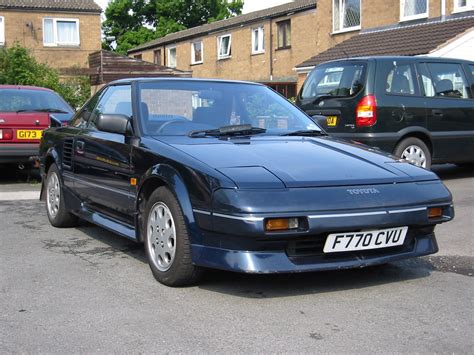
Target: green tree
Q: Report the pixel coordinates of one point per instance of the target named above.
(18, 67)
(133, 22)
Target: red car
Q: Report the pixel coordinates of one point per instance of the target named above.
(25, 111)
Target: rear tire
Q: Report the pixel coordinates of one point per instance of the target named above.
(415, 151)
(167, 242)
(56, 210)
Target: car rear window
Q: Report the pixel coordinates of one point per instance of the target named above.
(335, 79)
(400, 80)
(13, 100)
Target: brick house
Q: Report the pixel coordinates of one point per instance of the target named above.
(262, 46)
(391, 27)
(61, 33)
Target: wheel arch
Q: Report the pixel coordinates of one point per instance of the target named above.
(158, 176)
(50, 158)
(417, 132)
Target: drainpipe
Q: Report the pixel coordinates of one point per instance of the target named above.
(271, 49)
(443, 10)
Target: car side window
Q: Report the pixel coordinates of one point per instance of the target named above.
(115, 100)
(400, 80)
(449, 80)
(81, 118)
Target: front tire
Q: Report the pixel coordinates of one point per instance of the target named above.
(55, 207)
(415, 151)
(167, 244)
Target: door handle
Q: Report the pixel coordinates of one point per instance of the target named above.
(437, 113)
(80, 147)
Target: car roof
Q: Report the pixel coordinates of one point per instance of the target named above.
(154, 79)
(414, 58)
(24, 87)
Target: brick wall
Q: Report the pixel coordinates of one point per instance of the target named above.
(243, 65)
(26, 28)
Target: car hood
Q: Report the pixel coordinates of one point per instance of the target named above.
(276, 162)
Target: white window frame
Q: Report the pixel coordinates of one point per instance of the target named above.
(168, 56)
(468, 7)
(261, 40)
(341, 18)
(219, 42)
(193, 57)
(55, 32)
(413, 17)
(2, 31)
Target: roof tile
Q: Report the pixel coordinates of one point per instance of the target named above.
(56, 5)
(401, 41)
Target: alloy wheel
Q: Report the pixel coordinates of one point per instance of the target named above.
(161, 236)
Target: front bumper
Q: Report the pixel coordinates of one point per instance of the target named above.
(280, 262)
(237, 240)
(18, 153)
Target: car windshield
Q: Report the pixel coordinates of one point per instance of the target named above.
(23, 100)
(185, 107)
(334, 79)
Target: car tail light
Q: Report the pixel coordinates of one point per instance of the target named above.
(366, 112)
(6, 134)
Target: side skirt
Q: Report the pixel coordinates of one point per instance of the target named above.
(107, 222)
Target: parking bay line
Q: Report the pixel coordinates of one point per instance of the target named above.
(19, 195)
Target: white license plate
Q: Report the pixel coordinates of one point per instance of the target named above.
(364, 240)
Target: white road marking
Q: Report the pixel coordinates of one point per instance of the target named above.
(19, 195)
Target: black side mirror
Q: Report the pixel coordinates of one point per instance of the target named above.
(321, 121)
(114, 123)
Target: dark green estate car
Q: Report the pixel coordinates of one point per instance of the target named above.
(418, 108)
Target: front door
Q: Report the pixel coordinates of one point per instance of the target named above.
(102, 160)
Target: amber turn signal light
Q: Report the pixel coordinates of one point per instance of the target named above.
(435, 212)
(280, 224)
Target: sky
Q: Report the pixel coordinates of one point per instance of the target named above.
(249, 5)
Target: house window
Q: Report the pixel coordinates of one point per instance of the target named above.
(2, 30)
(284, 34)
(172, 57)
(196, 52)
(413, 9)
(138, 56)
(258, 40)
(224, 46)
(463, 5)
(60, 32)
(157, 56)
(346, 15)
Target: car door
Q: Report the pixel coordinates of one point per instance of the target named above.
(102, 160)
(450, 110)
(399, 103)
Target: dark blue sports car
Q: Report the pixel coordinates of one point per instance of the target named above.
(230, 175)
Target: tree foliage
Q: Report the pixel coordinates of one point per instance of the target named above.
(18, 67)
(133, 22)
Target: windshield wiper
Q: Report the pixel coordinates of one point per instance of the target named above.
(52, 110)
(235, 130)
(325, 97)
(307, 132)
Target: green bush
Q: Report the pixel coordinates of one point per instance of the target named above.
(18, 67)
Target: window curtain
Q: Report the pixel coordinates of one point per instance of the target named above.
(48, 31)
(67, 32)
